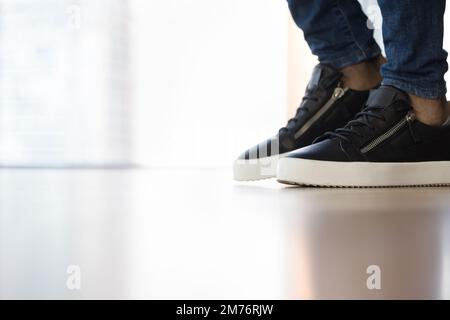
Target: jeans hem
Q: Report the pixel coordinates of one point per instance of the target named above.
(369, 52)
(433, 92)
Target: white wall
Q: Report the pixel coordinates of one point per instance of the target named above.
(209, 78)
(63, 83)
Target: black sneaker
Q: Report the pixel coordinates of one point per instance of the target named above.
(325, 106)
(384, 146)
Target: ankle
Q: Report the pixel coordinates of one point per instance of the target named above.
(363, 76)
(433, 112)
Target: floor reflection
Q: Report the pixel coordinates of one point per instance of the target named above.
(339, 233)
(194, 234)
(50, 220)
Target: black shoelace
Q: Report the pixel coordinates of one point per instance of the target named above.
(362, 119)
(299, 113)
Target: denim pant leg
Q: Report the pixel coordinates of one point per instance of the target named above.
(413, 32)
(336, 30)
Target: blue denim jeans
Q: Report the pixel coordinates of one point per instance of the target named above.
(337, 32)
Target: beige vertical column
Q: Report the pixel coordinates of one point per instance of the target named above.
(300, 65)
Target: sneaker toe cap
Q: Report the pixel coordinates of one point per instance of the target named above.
(327, 150)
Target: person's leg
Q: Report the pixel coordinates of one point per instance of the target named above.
(401, 138)
(413, 33)
(337, 33)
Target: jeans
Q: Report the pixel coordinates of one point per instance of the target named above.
(338, 34)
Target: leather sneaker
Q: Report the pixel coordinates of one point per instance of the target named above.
(385, 145)
(326, 105)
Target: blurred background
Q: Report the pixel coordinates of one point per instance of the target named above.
(135, 82)
(127, 82)
(180, 88)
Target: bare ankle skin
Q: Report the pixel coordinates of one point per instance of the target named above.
(363, 76)
(433, 112)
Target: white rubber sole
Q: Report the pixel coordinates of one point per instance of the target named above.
(256, 169)
(363, 174)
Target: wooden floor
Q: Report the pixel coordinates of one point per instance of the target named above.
(196, 234)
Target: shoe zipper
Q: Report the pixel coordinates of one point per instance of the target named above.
(410, 117)
(337, 94)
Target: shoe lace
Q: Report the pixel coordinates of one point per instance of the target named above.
(301, 110)
(362, 119)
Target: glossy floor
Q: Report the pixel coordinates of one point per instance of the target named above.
(195, 234)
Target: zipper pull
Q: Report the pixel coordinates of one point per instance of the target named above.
(410, 118)
(338, 92)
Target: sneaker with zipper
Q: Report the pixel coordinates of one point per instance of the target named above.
(326, 105)
(384, 146)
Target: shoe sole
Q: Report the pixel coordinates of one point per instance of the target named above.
(363, 174)
(256, 169)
